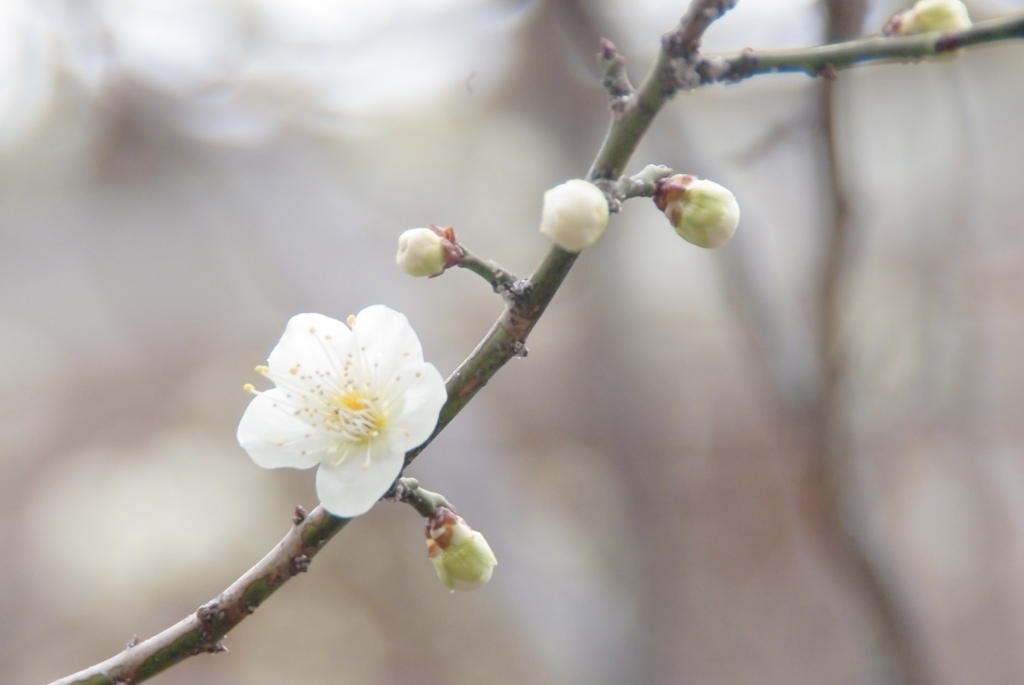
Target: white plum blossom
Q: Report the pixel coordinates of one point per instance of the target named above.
(351, 400)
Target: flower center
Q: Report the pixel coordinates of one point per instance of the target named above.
(356, 417)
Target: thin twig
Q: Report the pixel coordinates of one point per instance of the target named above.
(643, 184)
(825, 60)
(424, 501)
(661, 83)
(616, 80)
(684, 41)
(489, 270)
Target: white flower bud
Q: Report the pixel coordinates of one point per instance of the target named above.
(462, 558)
(701, 211)
(427, 251)
(930, 15)
(574, 215)
(420, 253)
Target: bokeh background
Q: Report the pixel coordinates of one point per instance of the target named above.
(666, 479)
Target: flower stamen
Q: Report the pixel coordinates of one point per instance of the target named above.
(355, 417)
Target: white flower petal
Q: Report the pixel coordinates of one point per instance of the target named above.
(388, 342)
(416, 377)
(422, 403)
(275, 438)
(313, 342)
(349, 489)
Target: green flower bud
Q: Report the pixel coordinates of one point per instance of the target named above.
(929, 15)
(427, 251)
(701, 211)
(462, 558)
(574, 215)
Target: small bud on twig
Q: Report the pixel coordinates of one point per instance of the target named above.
(427, 251)
(703, 212)
(462, 558)
(927, 16)
(574, 215)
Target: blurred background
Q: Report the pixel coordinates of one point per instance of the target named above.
(797, 459)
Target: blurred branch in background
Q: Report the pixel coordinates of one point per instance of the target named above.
(826, 492)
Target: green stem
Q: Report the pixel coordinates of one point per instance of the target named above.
(487, 269)
(643, 184)
(424, 501)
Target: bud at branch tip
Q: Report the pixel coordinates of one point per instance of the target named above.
(928, 16)
(428, 251)
(461, 556)
(701, 211)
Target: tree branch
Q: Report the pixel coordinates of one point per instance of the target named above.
(678, 66)
(203, 630)
(661, 83)
(825, 60)
(507, 337)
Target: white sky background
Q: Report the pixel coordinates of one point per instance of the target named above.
(179, 177)
(241, 69)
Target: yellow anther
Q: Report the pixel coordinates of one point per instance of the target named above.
(351, 320)
(353, 401)
(262, 370)
(249, 388)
